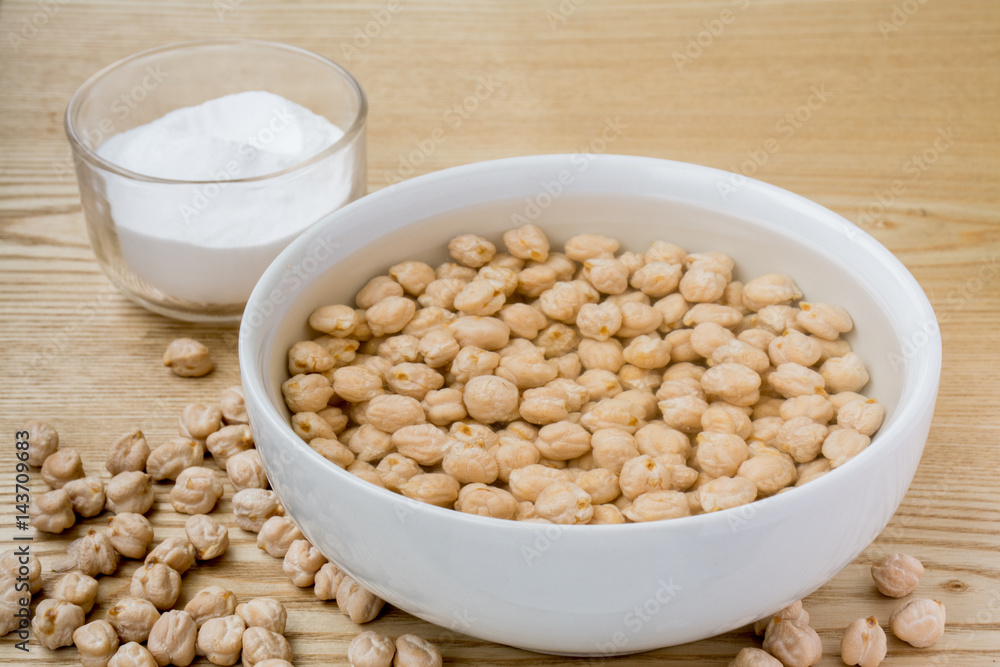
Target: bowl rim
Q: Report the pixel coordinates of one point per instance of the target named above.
(83, 152)
(919, 387)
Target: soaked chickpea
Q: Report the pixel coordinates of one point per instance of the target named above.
(564, 503)
(599, 321)
(527, 242)
(489, 399)
(824, 320)
(485, 500)
(638, 319)
(791, 380)
(471, 250)
(647, 352)
(772, 289)
(770, 472)
(726, 492)
(846, 373)
(433, 488)
(778, 319)
(657, 506)
(514, 454)
(842, 445)
(864, 416)
(487, 333)
(587, 246)
(605, 355)
(724, 316)
(527, 482)
(557, 340)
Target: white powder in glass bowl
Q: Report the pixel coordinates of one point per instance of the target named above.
(209, 242)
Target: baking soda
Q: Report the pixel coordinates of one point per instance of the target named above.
(208, 237)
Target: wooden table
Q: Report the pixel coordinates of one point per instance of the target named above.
(884, 111)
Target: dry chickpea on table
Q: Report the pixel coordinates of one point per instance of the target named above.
(143, 628)
(589, 386)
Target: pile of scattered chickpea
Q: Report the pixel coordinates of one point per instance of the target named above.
(143, 629)
(587, 387)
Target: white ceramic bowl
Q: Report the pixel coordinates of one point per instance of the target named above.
(597, 590)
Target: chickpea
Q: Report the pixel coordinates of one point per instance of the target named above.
(647, 352)
(733, 383)
(606, 515)
(864, 643)
(864, 416)
(453, 270)
(444, 406)
(389, 413)
(824, 320)
(55, 621)
(793, 612)
(309, 357)
(52, 511)
(246, 471)
(613, 413)
(807, 472)
(638, 319)
(772, 289)
(327, 580)
(758, 338)
(489, 399)
(701, 285)
(76, 588)
(132, 654)
(196, 492)
(721, 454)
(557, 340)
(778, 319)
(815, 407)
(721, 417)
(754, 657)
(233, 405)
(582, 247)
(657, 279)
(601, 484)
(709, 336)
(605, 355)
(130, 534)
(93, 554)
(844, 444)
(512, 455)
(918, 622)
(130, 492)
(484, 500)
(43, 441)
(471, 250)
(528, 482)
(612, 448)
(606, 275)
(252, 507)
(724, 316)
(793, 643)
(188, 358)
(794, 347)
(481, 297)
(343, 351)
(831, 348)
(211, 602)
(504, 270)
(158, 583)
(565, 299)
(470, 464)
(791, 380)
(544, 405)
(277, 534)
(260, 645)
(62, 467)
(726, 492)
(302, 393)
(563, 441)
(174, 552)
(198, 421)
(769, 472)
(534, 280)
(334, 320)
(360, 605)
(440, 294)
(738, 352)
(169, 459)
(266, 613)
(390, 315)
(376, 289)
(897, 575)
(432, 488)
(846, 373)
(523, 320)
(414, 651)
(671, 309)
(681, 349)
(172, 639)
(657, 505)
(802, 438)
(128, 453)
(365, 471)
(371, 649)
(133, 618)
(683, 412)
(414, 380)
(527, 242)
(331, 450)
(96, 642)
(412, 276)
(209, 537)
(302, 562)
(220, 639)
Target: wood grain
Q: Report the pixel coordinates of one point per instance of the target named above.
(892, 77)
